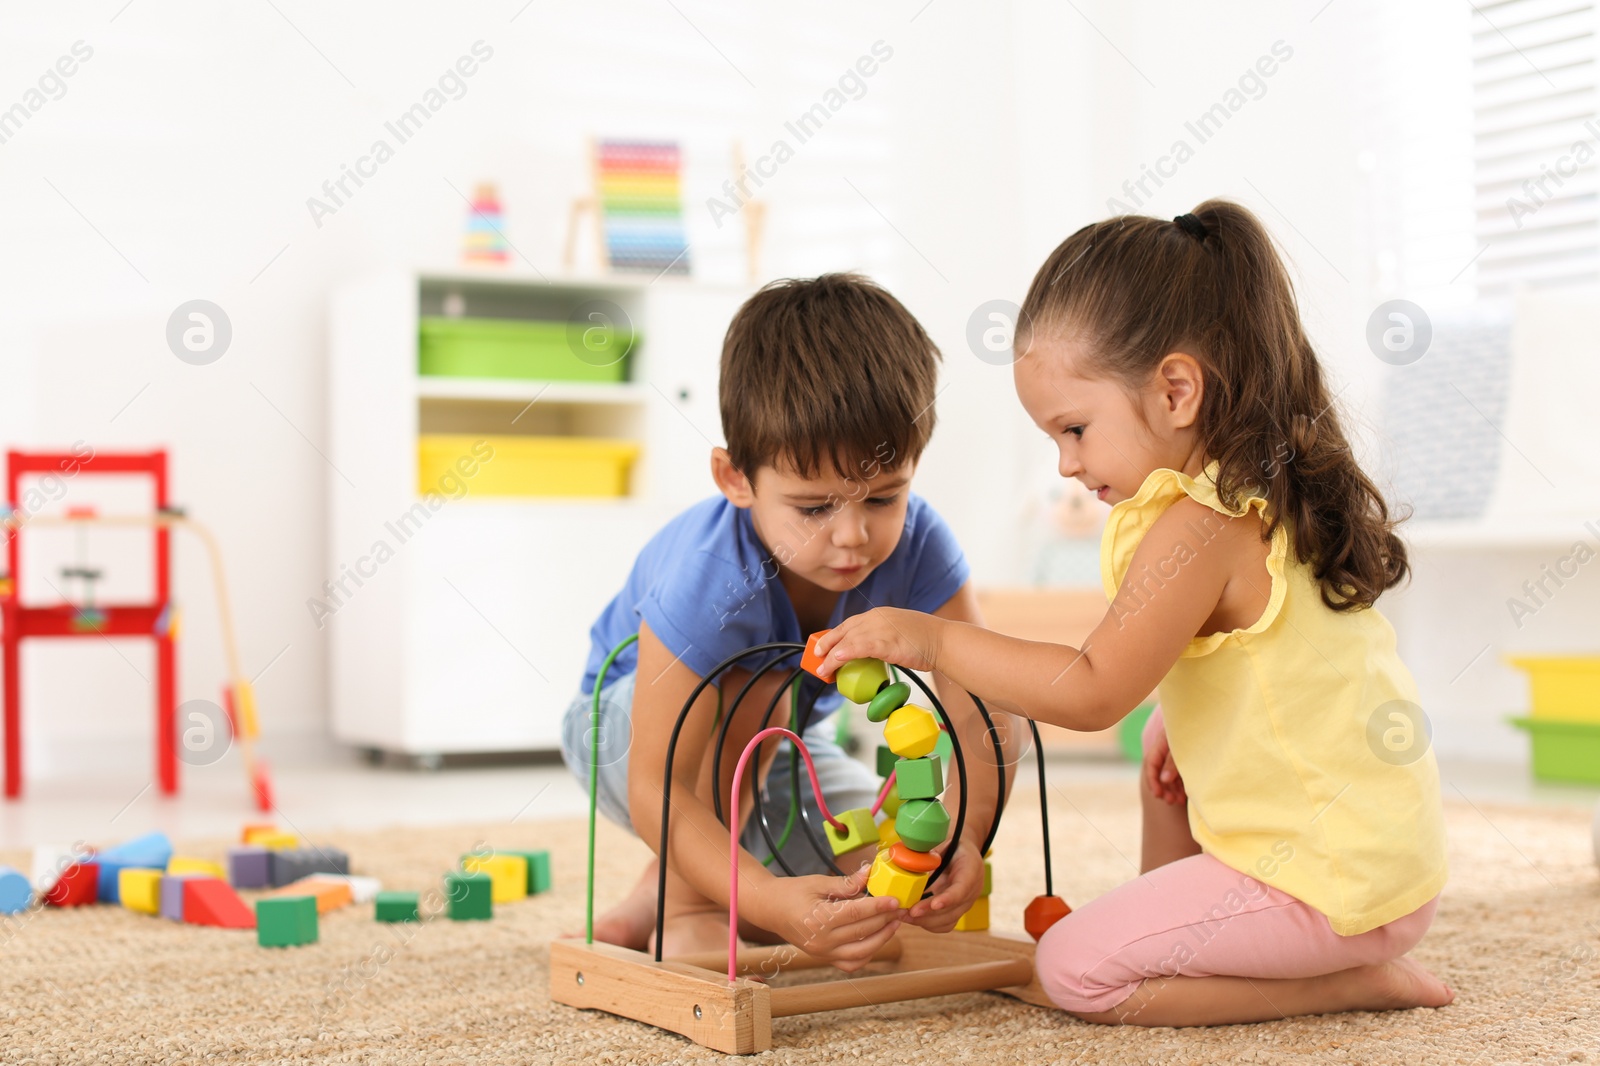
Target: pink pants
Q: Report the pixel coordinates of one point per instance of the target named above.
(1199, 918)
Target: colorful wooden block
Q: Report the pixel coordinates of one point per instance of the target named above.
(78, 884)
(922, 824)
(290, 865)
(892, 801)
(1042, 913)
(253, 830)
(976, 918)
(362, 889)
(249, 866)
(888, 699)
(207, 901)
(171, 893)
(49, 861)
(397, 907)
(887, 879)
(16, 894)
(538, 870)
(188, 864)
(911, 732)
(918, 862)
(286, 921)
(139, 889)
(471, 896)
(860, 829)
(919, 779)
(508, 874)
(886, 760)
(810, 661)
(860, 679)
(149, 852)
(276, 841)
(331, 893)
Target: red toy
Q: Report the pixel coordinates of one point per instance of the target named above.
(208, 901)
(77, 885)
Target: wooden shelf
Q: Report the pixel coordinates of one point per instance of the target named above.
(1512, 534)
(515, 389)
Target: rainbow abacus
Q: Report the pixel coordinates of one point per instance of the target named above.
(639, 188)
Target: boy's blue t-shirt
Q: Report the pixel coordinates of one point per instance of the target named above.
(709, 589)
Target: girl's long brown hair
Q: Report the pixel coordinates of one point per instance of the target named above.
(1134, 289)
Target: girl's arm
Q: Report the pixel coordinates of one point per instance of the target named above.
(1173, 585)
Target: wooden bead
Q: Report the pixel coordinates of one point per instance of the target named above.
(1042, 913)
(810, 661)
(887, 837)
(887, 879)
(889, 699)
(976, 918)
(860, 830)
(922, 824)
(892, 801)
(919, 779)
(860, 679)
(911, 732)
(918, 862)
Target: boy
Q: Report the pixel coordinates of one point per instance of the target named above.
(827, 389)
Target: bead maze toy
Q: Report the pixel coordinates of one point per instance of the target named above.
(729, 1010)
(158, 619)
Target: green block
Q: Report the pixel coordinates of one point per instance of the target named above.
(538, 869)
(397, 907)
(860, 679)
(889, 699)
(285, 921)
(919, 779)
(922, 824)
(859, 830)
(886, 760)
(470, 896)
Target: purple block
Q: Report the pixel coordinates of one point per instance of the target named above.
(249, 866)
(172, 896)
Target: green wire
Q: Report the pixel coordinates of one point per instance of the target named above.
(794, 794)
(594, 780)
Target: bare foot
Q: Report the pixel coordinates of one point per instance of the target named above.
(630, 923)
(1405, 983)
(693, 932)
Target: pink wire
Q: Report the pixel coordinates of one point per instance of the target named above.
(888, 783)
(733, 831)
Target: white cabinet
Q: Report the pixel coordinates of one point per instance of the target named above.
(461, 625)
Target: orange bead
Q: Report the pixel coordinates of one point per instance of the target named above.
(918, 862)
(810, 661)
(1042, 913)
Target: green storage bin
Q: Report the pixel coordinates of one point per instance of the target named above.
(516, 348)
(1563, 750)
(1130, 732)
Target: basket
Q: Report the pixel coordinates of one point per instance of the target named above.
(513, 348)
(1564, 751)
(453, 465)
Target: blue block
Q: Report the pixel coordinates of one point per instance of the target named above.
(15, 892)
(151, 851)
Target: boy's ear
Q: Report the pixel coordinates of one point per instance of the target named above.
(1182, 386)
(730, 479)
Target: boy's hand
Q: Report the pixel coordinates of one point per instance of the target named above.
(828, 917)
(955, 890)
(909, 639)
(1160, 772)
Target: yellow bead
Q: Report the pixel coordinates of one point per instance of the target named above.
(976, 918)
(860, 829)
(860, 679)
(887, 879)
(911, 732)
(887, 836)
(892, 801)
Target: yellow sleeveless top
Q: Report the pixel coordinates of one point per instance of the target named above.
(1299, 738)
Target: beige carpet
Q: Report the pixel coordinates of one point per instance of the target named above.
(1518, 937)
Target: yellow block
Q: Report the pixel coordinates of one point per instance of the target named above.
(140, 889)
(187, 864)
(276, 841)
(976, 918)
(887, 879)
(508, 875)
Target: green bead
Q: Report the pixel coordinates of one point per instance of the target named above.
(396, 907)
(889, 699)
(922, 824)
(886, 760)
(860, 679)
(944, 747)
(919, 779)
(286, 921)
(892, 801)
(470, 895)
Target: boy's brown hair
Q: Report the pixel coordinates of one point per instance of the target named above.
(826, 371)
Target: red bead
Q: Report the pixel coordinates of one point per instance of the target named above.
(1042, 913)
(810, 661)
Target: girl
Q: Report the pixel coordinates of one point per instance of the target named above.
(1293, 833)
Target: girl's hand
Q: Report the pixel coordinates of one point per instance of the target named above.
(908, 639)
(829, 917)
(1160, 772)
(956, 889)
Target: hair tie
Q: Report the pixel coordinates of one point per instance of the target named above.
(1192, 226)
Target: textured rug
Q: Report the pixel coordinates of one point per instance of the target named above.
(1517, 936)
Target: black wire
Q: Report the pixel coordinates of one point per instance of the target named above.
(760, 811)
(1044, 809)
(819, 843)
(726, 724)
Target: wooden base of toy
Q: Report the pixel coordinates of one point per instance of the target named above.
(693, 997)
